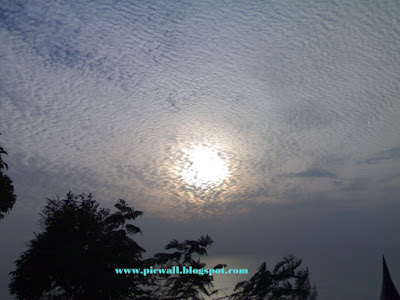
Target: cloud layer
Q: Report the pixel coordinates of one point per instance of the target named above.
(299, 99)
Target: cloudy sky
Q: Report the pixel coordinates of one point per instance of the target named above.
(273, 126)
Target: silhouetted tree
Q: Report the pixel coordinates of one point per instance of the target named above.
(189, 286)
(82, 245)
(285, 282)
(78, 252)
(7, 197)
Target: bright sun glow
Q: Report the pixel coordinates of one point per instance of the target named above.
(203, 167)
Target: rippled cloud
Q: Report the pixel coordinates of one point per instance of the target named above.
(104, 97)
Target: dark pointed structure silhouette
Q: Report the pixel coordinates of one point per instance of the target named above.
(389, 291)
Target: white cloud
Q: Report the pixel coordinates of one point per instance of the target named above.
(109, 93)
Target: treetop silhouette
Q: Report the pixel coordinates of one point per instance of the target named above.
(7, 197)
(82, 244)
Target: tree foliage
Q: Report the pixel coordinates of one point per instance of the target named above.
(285, 282)
(81, 246)
(7, 197)
(78, 251)
(184, 255)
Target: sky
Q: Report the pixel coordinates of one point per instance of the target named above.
(273, 126)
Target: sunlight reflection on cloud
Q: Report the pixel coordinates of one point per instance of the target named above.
(119, 90)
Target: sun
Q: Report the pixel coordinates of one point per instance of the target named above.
(203, 167)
